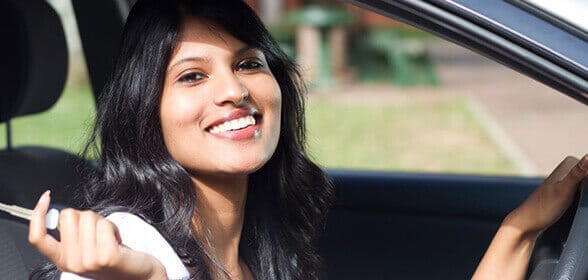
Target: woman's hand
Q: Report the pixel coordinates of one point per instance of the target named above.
(509, 253)
(551, 199)
(90, 246)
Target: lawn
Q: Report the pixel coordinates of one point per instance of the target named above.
(419, 135)
(66, 125)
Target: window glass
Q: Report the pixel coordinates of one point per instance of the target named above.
(570, 11)
(395, 98)
(482, 118)
(382, 96)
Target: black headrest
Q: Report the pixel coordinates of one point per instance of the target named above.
(100, 24)
(33, 57)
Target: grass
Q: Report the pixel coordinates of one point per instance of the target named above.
(430, 136)
(418, 135)
(66, 125)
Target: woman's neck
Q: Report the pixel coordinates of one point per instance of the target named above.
(220, 211)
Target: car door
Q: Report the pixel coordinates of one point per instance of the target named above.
(406, 225)
(413, 225)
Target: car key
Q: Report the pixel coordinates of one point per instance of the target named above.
(51, 219)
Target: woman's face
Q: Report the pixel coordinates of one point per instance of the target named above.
(221, 105)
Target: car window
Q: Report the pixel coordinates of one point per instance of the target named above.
(570, 12)
(483, 118)
(408, 101)
(382, 96)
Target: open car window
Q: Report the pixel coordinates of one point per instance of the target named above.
(500, 122)
(476, 117)
(483, 118)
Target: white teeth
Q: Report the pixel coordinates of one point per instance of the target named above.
(234, 124)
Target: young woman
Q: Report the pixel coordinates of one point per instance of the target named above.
(203, 172)
(201, 133)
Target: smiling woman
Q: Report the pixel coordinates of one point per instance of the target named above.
(201, 154)
(202, 168)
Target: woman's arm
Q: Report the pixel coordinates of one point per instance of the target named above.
(509, 253)
(90, 246)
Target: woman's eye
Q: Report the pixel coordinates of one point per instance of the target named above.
(191, 77)
(250, 65)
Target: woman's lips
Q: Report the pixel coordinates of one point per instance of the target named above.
(237, 125)
(248, 132)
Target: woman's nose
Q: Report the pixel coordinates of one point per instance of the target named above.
(230, 90)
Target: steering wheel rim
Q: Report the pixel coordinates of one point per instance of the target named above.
(572, 263)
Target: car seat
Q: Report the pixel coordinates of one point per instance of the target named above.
(33, 73)
(101, 24)
(33, 70)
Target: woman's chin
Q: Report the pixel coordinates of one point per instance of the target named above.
(244, 169)
(226, 170)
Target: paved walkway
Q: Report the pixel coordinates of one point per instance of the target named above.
(534, 124)
(545, 124)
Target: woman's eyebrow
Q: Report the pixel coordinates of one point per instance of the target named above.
(245, 49)
(239, 52)
(190, 59)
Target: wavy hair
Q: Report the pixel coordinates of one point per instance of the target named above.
(287, 198)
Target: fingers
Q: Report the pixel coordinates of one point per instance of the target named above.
(68, 231)
(38, 236)
(558, 194)
(576, 174)
(562, 169)
(109, 243)
(89, 243)
(550, 200)
(561, 185)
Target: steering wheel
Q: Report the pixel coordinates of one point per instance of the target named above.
(558, 258)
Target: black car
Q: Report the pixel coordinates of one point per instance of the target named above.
(385, 225)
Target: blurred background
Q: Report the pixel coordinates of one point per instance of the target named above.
(382, 96)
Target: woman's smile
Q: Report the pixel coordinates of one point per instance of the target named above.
(239, 124)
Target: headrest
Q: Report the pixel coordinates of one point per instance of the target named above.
(101, 24)
(33, 57)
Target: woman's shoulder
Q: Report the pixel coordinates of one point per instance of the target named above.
(134, 231)
(130, 222)
(139, 235)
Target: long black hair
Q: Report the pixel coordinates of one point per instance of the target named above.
(287, 198)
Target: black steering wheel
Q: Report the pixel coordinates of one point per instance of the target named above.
(556, 257)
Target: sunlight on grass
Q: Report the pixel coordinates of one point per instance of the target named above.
(429, 136)
(66, 125)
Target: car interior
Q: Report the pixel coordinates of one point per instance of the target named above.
(385, 225)
(33, 78)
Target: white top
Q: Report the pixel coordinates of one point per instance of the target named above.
(140, 236)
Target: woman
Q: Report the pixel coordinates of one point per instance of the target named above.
(202, 153)
(203, 112)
